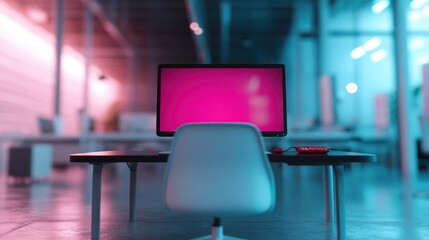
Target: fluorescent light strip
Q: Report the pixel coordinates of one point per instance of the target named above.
(358, 52)
(380, 6)
(415, 15)
(416, 4)
(372, 44)
(416, 43)
(378, 55)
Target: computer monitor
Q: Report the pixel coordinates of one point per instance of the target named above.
(222, 93)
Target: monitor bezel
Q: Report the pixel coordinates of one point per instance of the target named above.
(264, 133)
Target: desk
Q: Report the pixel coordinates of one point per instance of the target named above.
(333, 161)
(64, 145)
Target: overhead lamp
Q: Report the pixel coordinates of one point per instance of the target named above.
(416, 43)
(416, 4)
(378, 55)
(194, 26)
(379, 6)
(423, 60)
(372, 44)
(199, 31)
(425, 11)
(415, 15)
(358, 52)
(352, 88)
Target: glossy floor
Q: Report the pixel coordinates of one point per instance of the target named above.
(379, 205)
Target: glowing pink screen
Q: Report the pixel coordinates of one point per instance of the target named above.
(254, 95)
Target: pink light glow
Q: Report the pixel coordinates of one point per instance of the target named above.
(16, 30)
(37, 15)
(27, 65)
(72, 63)
(194, 26)
(222, 95)
(199, 31)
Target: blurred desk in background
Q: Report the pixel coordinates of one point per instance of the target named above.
(63, 145)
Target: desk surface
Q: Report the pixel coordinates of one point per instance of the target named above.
(290, 157)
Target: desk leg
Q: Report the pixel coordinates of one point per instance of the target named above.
(133, 183)
(339, 198)
(96, 195)
(329, 189)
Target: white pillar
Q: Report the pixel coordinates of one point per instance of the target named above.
(59, 32)
(407, 144)
(322, 38)
(88, 41)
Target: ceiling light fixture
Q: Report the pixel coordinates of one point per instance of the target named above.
(416, 4)
(358, 52)
(425, 11)
(352, 88)
(198, 31)
(194, 26)
(372, 44)
(379, 6)
(416, 43)
(378, 55)
(415, 15)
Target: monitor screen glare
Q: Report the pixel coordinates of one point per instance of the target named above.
(222, 93)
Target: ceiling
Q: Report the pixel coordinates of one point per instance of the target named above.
(157, 31)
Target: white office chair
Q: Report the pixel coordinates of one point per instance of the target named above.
(218, 170)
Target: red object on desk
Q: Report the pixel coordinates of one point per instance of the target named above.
(312, 149)
(278, 150)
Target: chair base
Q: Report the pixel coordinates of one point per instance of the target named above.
(217, 234)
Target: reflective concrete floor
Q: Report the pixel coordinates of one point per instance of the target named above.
(379, 205)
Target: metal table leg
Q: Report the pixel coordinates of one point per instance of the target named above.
(329, 189)
(339, 199)
(96, 195)
(133, 183)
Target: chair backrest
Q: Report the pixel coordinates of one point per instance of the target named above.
(219, 169)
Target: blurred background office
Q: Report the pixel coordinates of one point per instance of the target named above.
(352, 66)
(357, 70)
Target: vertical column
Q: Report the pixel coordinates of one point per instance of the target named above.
(88, 40)
(302, 75)
(407, 145)
(59, 31)
(322, 30)
(132, 83)
(424, 119)
(193, 9)
(291, 59)
(225, 13)
(322, 21)
(322, 36)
